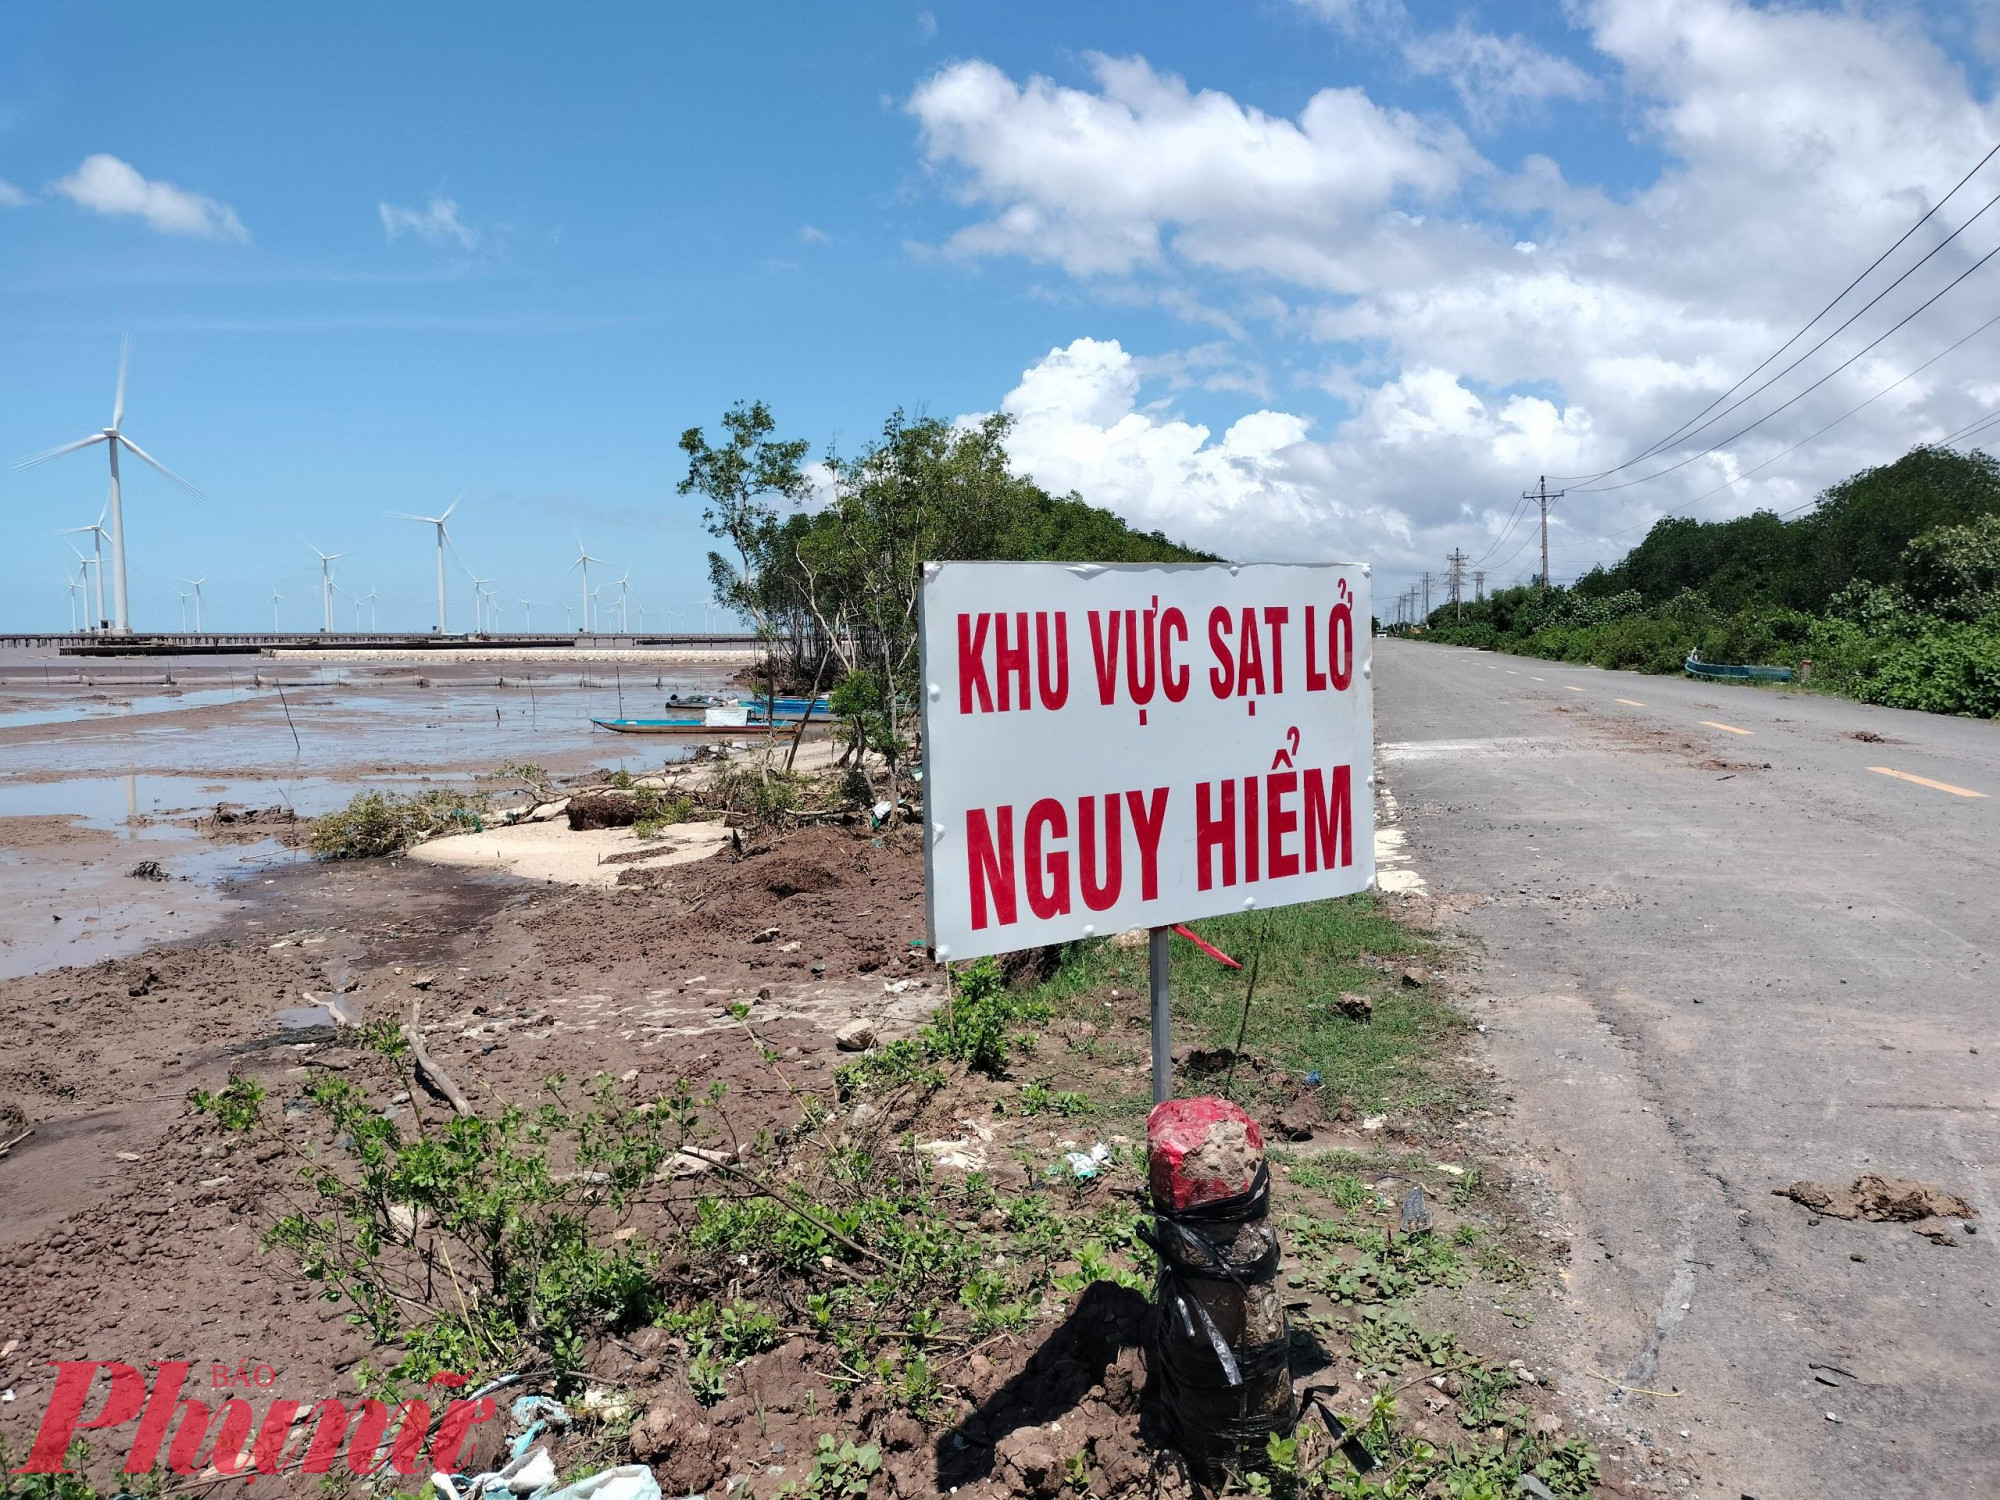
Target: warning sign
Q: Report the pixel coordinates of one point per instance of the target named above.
(1129, 746)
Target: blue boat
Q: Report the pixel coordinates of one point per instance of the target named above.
(1711, 671)
(720, 718)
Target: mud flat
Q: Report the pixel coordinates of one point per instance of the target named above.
(870, 1223)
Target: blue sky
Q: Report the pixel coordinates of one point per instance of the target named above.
(1251, 273)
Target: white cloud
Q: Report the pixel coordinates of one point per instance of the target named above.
(11, 196)
(1076, 426)
(809, 235)
(1097, 181)
(927, 25)
(1495, 76)
(106, 185)
(1481, 325)
(437, 224)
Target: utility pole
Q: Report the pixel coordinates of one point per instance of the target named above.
(1427, 597)
(1457, 561)
(1541, 492)
(1478, 584)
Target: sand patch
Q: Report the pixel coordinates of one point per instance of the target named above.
(553, 852)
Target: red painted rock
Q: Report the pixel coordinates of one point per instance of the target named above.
(1199, 1150)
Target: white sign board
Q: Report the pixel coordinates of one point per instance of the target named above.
(1137, 745)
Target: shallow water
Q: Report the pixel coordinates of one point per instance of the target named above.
(114, 706)
(141, 767)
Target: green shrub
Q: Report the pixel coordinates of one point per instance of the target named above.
(662, 812)
(379, 823)
(976, 1025)
(1949, 669)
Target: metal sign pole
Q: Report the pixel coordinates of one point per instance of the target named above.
(1157, 958)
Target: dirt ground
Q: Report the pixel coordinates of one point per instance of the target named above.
(132, 1226)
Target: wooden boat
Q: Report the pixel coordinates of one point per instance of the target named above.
(672, 726)
(1712, 671)
(722, 718)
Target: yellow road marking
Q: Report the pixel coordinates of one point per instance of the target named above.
(1936, 786)
(1730, 727)
(1572, 688)
(1631, 702)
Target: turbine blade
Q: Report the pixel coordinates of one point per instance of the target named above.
(450, 508)
(42, 458)
(403, 515)
(124, 358)
(141, 452)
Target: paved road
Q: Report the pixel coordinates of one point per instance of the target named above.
(1727, 951)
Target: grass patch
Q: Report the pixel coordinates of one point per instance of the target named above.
(379, 823)
(1306, 956)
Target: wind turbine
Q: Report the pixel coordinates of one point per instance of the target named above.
(275, 597)
(584, 560)
(437, 521)
(326, 561)
(371, 601)
(479, 603)
(569, 618)
(529, 606)
(624, 587)
(97, 535)
(493, 610)
(83, 566)
(184, 610)
(75, 586)
(195, 584)
(114, 438)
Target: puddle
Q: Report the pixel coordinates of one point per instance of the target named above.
(127, 804)
(117, 706)
(328, 1014)
(76, 906)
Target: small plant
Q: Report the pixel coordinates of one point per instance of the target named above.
(893, 1065)
(976, 1025)
(1038, 1099)
(234, 1105)
(480, 1205)
(1387, 1336)
(1465, 1188)
(665, 813)
(1570, 1469)
(840, 1471)
(374, 824)
(1481, 1389)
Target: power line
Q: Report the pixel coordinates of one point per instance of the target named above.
(1813, 437)
(1506, 531)
(1742, 431)
(1805, 328)
(1741, 402)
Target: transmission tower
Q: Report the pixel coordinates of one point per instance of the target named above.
(1478, 583)
(1457, 561)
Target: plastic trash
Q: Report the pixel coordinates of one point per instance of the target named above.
(524, 1474)
(626, 1482)
(1087, 1164)
(533, 1415)
(1414, 1216)
(1312, 1079)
